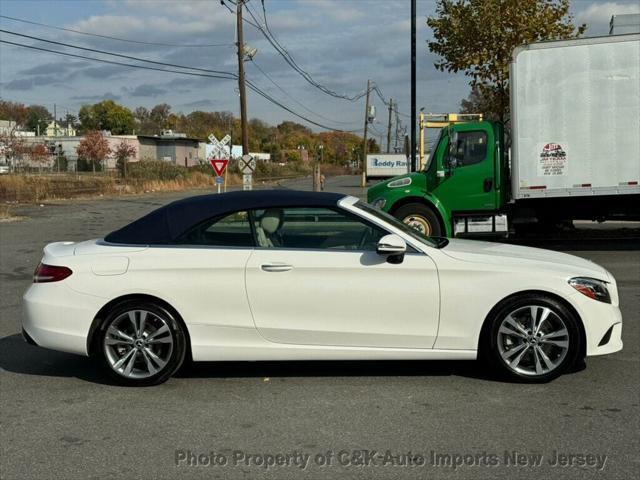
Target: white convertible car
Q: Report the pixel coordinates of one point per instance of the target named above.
(285, 275)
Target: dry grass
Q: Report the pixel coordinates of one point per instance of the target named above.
(5, 214)
(34, 188)
(194, 180)
(37, 188)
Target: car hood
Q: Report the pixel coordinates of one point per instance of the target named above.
(515, 255)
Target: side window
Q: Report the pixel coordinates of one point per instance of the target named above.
(314, 228)
(233, 230)
(471, 148)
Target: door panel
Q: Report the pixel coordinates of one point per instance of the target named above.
(471, 184)
(345, 298)
(205, 284)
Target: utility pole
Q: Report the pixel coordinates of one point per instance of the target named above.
(55, 121)
(413, 85)
(396, 149)
(365, 146)
(389, 126)
(241, 84)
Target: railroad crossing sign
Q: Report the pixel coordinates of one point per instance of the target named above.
(218, 146)
(219, 165)
(247, 164)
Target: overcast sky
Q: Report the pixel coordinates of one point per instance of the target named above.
(340, 43)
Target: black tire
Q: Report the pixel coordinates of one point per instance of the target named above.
(420, 217)
(170, 355)
(493, 349)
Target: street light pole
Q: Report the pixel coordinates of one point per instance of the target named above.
(413, 85)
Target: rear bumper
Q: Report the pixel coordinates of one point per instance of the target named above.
(56, 317)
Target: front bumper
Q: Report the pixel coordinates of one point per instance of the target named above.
(598, 318)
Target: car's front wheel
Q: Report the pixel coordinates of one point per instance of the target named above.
(532, 338)
(141, 344)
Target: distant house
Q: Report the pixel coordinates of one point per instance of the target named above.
(174, 148)
(9, 127)
(60, 129)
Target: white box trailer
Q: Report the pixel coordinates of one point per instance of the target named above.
(386, 165)
(575, 116)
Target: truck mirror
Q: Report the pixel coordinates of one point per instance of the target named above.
(451, 163)
(453, 142)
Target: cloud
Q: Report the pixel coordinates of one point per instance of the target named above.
(97, 98)
(145, 90)
(205, 102)
(51, 68)
(105, 71)
(340, 13)
(29, 83)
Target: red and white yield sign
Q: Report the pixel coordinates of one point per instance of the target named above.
(219, 165)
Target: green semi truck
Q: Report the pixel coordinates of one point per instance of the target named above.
(573, 151)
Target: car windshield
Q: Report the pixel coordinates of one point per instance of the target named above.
(437, 242)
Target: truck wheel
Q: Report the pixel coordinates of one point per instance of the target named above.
(420, 217)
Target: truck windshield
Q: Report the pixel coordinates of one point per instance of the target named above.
(432, 152)
(435, 242)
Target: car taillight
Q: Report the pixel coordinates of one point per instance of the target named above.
(50, 273)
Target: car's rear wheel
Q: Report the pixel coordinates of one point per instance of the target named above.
(533, 338)
(141, 344)
(421, 218)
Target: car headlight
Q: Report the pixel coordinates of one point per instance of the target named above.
(592, 288)
(401, 182)
(379, 203)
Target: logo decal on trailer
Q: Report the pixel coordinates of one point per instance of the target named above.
(552, 160)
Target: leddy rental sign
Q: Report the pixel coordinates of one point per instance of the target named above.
(386, 165)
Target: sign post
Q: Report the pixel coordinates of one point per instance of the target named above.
(247, 166)
(218, 159)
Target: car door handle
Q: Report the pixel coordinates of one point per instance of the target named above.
(276, 267)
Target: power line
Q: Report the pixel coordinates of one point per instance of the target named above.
(251, 85)
(293, 64)
(112, 62)
(381, 96)
(15, 19)
(292, 98)
(103, 52)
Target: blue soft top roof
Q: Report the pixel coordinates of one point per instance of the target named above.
(164, 225)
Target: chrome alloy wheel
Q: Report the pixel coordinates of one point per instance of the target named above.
(533, 340)
(418, 222)
(138, 344)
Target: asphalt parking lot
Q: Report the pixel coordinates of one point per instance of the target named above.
(62, 419)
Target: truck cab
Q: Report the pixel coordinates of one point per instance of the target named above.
(460, 189)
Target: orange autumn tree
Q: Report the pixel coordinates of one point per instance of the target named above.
(39, 155)
(93, 148)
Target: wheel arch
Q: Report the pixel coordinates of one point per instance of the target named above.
(484, 331)
(92, 337)
(432, 203)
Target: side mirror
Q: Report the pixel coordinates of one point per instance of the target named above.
(453, 143)
(393, 247)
